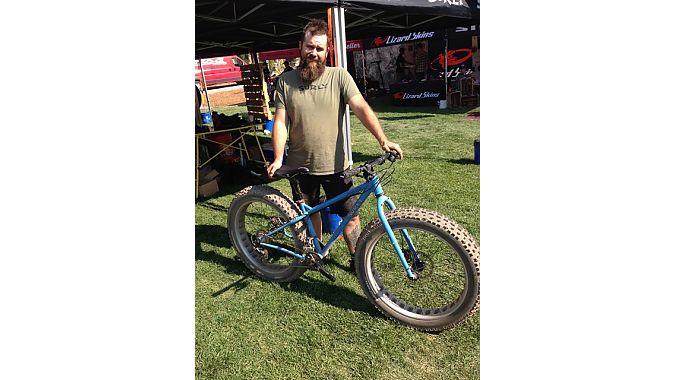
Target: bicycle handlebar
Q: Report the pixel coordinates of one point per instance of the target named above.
(365, 170)
(367, 167)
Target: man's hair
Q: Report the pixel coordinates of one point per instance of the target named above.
(315, 27)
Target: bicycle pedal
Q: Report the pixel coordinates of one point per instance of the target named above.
(326, 274)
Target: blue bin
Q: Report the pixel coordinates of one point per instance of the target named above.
(268, 127)
(206, 118)
(476, 151)
(330, 221)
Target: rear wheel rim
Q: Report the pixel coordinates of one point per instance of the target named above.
(258, 216)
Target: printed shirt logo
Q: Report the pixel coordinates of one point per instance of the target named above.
(312, 87)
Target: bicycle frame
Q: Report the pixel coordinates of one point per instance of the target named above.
(366, 188)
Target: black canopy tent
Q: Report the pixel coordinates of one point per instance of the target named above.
(239, 26)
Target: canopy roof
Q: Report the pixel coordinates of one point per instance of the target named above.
(239, 26)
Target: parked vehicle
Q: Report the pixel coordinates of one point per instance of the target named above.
(219, 71)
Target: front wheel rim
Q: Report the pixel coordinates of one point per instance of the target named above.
(392, 296)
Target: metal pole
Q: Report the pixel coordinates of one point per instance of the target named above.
(204, 83)
(338, 21)
(446, 61)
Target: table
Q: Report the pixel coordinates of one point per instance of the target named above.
(252, 130)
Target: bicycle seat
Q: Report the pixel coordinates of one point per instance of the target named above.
(288, 172)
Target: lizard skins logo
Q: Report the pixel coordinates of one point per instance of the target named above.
(453, 59)
(401, 95)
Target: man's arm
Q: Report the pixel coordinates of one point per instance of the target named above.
(366, 115)
(279, 134)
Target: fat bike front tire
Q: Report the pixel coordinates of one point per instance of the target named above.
(255, 211)
(446, 263)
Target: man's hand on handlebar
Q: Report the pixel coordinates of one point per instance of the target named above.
(368, 167)
(272, 168)
(389, 146)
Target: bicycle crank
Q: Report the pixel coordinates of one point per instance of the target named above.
(315, 262)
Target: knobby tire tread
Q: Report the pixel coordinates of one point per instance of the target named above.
(285, 205)
(458, 233)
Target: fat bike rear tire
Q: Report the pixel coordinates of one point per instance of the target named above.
(446, 291)
(255, 211)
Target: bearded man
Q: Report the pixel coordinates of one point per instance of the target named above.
(310, 102)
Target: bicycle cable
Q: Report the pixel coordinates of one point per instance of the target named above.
(386, 176)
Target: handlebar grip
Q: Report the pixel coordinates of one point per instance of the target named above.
(389, 156)
(351, 172)
(368, 166)
(378, 161)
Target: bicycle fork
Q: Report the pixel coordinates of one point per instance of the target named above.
(381, 199)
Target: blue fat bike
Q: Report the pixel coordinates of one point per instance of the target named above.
(416, 266)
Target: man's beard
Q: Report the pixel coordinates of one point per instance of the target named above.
(309, 71)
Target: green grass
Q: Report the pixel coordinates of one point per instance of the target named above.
(312, 328)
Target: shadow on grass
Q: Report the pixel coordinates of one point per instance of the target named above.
(331, 294)
(359, 158)
(462, 161)
(213, 206)
(218, 236)
(384, 104)
(320, 290)
(213, 234)
(238, 285)
(403, 117)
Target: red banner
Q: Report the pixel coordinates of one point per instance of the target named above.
(354, 45)
(279, 54)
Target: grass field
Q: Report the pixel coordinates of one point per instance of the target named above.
(312, 328)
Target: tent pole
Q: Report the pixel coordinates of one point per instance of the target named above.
(204, 84)
(340, 50)
(331, 39)
(446, 62)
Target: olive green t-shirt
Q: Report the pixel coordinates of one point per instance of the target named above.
(314, 110)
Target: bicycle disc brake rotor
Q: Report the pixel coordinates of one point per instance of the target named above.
(416, 262)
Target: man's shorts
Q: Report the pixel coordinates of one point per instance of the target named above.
(333, 185)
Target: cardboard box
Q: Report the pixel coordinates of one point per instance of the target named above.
(204, 170)
(208, 176)
(208, 189)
